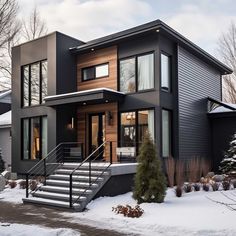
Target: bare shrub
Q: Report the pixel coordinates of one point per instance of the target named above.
(12, 184)
(206, 187)
(197, 187)
(170, 170)
(133, 212)
(179, 170)
(33, 185)
(193, 170)
(178, 191)
(22, 184)
(226, 185)
(215, 186)
(188, 188)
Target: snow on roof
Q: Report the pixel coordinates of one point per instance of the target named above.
(5, 119)
(4, 93)
(220, 109)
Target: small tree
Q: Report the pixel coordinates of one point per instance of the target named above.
(228, 164)
(150, 181)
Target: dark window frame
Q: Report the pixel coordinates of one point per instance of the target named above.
(136, 69)
(29, 85)
(94, 68)
(137, 145)
(169, 90)
(170, 132)
(29, 136)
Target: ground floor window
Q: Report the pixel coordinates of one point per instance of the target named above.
(134, 125)
(34, 132)
(166, 133)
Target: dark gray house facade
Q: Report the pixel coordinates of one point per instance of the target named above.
(115, 88)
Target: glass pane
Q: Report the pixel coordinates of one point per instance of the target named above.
(165, 133)
(145, 124)
(94, 132)
(165, 72)
(146, 72)
(44, 136)
(35, 138)
(44, 79)
(128, 130)
(89, 73)
(127, 75)
(26, 86)
(25, 139)
(102, 71)
(35, 81)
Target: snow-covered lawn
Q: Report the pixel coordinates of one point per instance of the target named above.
(29, 230)
(192, 214)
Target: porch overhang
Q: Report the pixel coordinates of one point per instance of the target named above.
(87, 97)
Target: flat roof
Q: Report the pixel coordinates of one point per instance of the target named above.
(157, 26)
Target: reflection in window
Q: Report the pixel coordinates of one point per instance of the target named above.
(166, 133)
(145, 124)
(44, 72)
(165, 72)
(128, 129)
(146, 72)
(35, 84)
(95, 72)
(88, 73)
(127, 75)
(25, 139)
(26, 86)
(101, 71)
(34, 131)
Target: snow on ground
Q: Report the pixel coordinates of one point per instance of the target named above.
(193, 214)
(29, 230)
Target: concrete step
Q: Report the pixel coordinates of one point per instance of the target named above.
(50, 202)
(81, 172)
(65, 183)
(56, 189)
(85, 166)
(75, 178)
(57, 196)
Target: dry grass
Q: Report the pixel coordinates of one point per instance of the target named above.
(179, 170)
(193, 170)
(205, 167)
(170, 170)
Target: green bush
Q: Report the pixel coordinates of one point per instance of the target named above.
(150, 182)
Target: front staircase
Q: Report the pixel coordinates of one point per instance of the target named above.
(69, 185)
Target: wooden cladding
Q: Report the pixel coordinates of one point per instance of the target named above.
(101, 56)
(110, 127)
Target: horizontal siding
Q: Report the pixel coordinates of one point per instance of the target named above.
(196, 81)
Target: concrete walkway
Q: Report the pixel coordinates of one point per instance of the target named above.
(30, 214)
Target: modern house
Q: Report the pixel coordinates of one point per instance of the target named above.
(102, 96)
(5, 127)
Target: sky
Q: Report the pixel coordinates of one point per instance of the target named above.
(201, 21)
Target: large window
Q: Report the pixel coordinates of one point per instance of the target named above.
(34, 131)
(95, 72)
(166, 133)
(165, 72)
(134, 126)
(34, 83)
(137, 73)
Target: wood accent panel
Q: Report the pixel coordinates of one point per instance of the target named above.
(95, 58)
(110, 130)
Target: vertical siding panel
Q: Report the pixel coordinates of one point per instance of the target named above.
(196, 80)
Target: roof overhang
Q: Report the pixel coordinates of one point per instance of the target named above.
(154, 26)
(87, 97)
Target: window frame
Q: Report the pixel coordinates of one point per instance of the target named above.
(169, 90)
(29, 85)
(137, 145)
(170, 112)
(94, 68)
(29, 137)
(136, 69)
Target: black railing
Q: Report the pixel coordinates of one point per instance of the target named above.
(97, 153)
(52, 161)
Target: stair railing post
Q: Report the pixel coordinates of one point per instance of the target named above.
(45, 170)
(27, 185)
(71, 190)
(110, 152)
(89, 171)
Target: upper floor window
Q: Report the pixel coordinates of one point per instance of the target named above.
(165, 72)
(34, 83)
(137, 73)
(95, 72)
